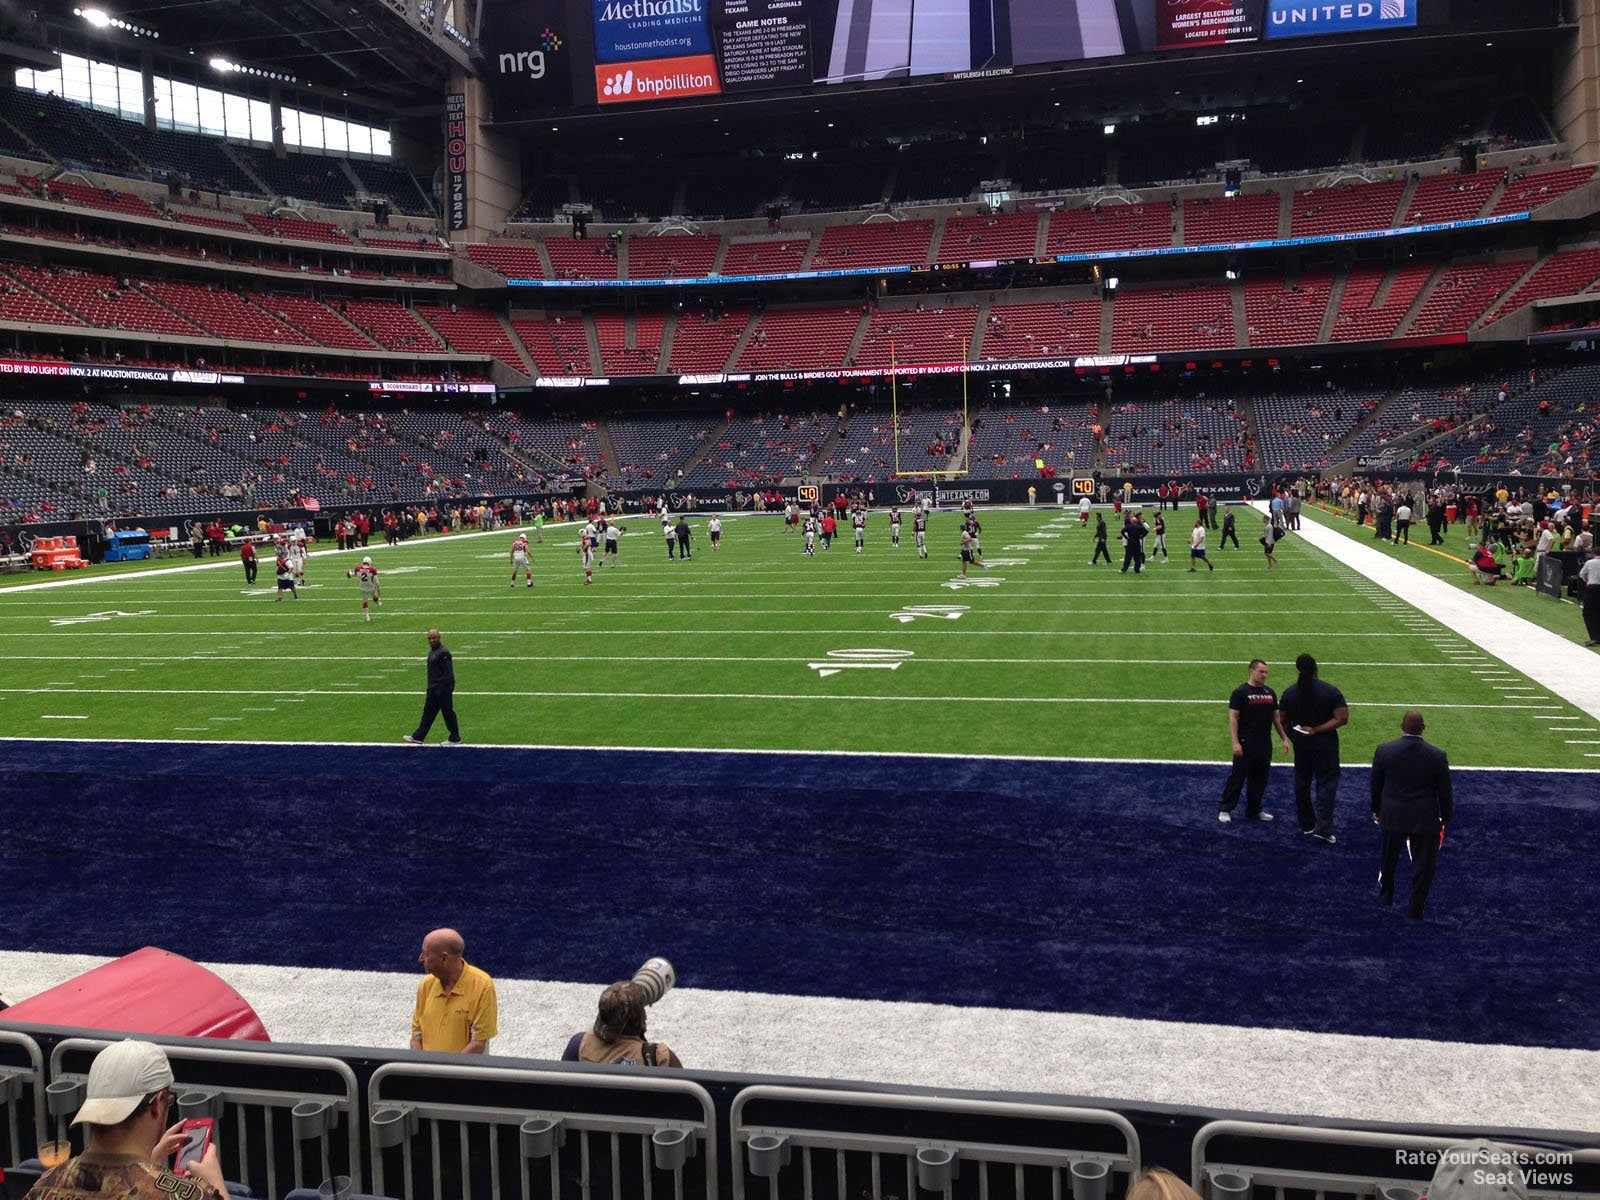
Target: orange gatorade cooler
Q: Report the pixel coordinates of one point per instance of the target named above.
(1450, 513)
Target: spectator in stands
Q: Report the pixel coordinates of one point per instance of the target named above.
(457, 1012)
(618, 1034)
(1158, 1183)
(128, 1102)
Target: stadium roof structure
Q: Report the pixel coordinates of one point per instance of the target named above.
(383, 52)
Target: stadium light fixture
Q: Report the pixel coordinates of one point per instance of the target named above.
(1231, 274)
(1111, 283)
(223, 65)
(100, 19)
(1109, 129)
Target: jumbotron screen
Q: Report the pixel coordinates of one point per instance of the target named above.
(549, 55)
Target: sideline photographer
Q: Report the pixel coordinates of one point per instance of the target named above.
(618, 1035)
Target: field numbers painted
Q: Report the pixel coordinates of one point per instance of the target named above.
(938, 612)
(102, 616)
(1006, 562)
(414, 570)
(861, 660)
(977, 581)
(1024, 546)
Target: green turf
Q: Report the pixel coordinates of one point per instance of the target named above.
(1048, 657)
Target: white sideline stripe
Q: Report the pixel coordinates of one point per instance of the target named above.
(100, 744)
(544, 632)
(824, 698)
(1160, 1062)
(655, 612)
(60, 717)
(233, 561)
(416, 660)
(1546, 658)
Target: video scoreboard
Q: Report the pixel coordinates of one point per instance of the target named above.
(550, 56)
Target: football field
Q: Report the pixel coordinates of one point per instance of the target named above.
(760, 647)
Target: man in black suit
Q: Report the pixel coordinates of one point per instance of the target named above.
(1412, 802)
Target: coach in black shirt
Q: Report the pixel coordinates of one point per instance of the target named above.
(1133, 535)
(440, 700)
(1315, 712)
(1412, 801)
(1252, 713)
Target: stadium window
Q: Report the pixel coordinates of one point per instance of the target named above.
(185, 112)
(75, 78)
(210, 108)
(130, 93)
(236, 116)
(360, 138)
(380, 143)
(260, 122)
(310, 131)
(290, 118)
(335, 135)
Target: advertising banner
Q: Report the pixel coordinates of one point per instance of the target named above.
(455, 159)
(1305, 18)
(1181, 24)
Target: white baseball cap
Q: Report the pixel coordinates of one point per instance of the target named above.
(121, 1076)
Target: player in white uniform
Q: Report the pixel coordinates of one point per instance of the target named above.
(714, 528)
(919, 529)
(520, 560)
(297, 554)
(586, 553)
(367, 576)
(858, 523)
(811, 536)
(1083, 511)
(285, 573)
(613, 532)
(894, 526)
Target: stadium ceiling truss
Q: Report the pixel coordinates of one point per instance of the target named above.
(386, 50)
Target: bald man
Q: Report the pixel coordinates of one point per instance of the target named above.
(1412, 802)
(456, 1010)
(440, 699)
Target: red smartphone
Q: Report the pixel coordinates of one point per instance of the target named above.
(196, 1141)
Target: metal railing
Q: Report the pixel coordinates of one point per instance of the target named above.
(1402, 1164)
(283, 1120)
(532, 1133)
(21, 1097)
(890, 1144)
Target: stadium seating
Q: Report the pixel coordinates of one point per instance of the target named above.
(1178, 436)
(1299, 430)
(762, 449)
(315, 319)
(1183, 318)
(102, 300)
(1346, 208)
(1464, 294)
(225, 313)
(1143, 226)
(1563, 274)
(1230, 219)
(1416, 414)
(1451, 197)
(672, 256)
(702, 342)
(1360, 318)
(558, 345)
(568, 446)
(650, 450)
(999, 236)
(1527, 192)
(393, 182)
(475, 331)
(392, 326)
(800, 339)
(1283, 315)
(581, 258)
(1007, 439)
(766, 256)
(85, 195)
(921, 335)
(874, 244)
(17, 303)
(299, 229)
(513, 259)
(1042, 330)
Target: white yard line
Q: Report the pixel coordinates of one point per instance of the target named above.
(1554, 662)
(919, 698)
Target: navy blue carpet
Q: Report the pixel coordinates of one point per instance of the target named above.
(1083, 887)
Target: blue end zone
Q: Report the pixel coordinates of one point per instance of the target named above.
(1087, 887)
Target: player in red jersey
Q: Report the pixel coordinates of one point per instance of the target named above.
(586, 553)
(367, 576)
(520, 559)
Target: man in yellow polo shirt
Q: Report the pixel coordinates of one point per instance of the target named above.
(456, 1011)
